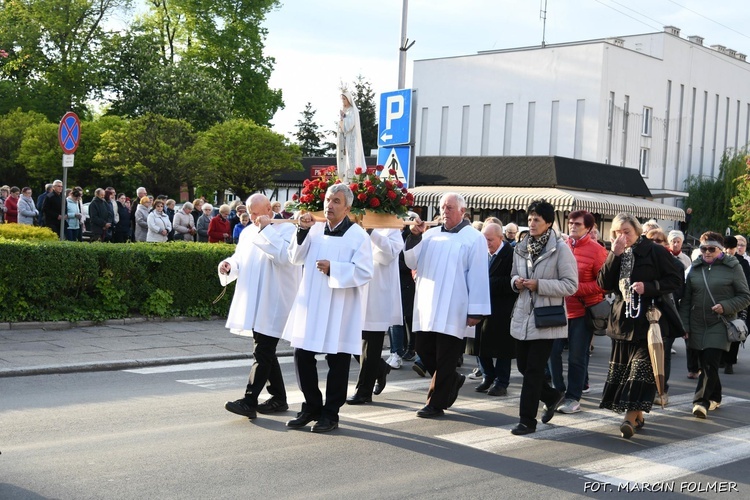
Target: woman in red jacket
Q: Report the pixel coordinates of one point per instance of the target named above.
(219, 229)
(590, 257)
(11, 205)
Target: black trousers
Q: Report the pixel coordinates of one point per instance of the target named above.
(709, 385)
(371, 363)
(532, 356)
(336, 384)
(265, 369)
(439, 353)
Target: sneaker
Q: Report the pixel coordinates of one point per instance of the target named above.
(699, 411)
(661, 400)
(714, 405)
(476, 374)
(586, 390)
(395, 361)
(409, 356)
(272, 405)
(569, 406)
(419, 368)
(240, 407)
(674, 352)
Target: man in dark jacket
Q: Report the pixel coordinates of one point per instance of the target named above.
(493, 333)
(100, 215)
(52, 207)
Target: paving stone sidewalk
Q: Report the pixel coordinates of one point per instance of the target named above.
(61, 347)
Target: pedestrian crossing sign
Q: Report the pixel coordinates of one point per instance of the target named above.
(395, 158)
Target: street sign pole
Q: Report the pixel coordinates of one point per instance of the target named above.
(69, 136)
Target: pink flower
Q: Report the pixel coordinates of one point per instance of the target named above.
(3, 53)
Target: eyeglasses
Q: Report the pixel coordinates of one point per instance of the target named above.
(708, 249)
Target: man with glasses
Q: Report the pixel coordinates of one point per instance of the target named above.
(511, 231)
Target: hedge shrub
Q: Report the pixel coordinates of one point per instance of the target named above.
(26, 232)
(54, 280)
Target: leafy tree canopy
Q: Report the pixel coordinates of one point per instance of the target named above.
(242, 156)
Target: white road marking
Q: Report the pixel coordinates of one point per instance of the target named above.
(668, 462)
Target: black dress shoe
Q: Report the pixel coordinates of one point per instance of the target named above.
(272, 405)
(522, 430)
(358, 400)
(303, 418)
(325, 424)
(486, 384)
(497, 390)
(459, 383)
(550, 411)
(729, 370)
(240, 407)
(385, 369)
(430, 412)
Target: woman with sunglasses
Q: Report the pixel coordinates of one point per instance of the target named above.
(638, 272)
(715, 286)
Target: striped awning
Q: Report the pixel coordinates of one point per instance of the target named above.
(565, 200)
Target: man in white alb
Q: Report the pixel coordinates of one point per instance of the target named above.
(266, 285)
(453, 294)
(328, 312)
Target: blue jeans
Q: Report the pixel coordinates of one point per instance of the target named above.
(579, 340)
(396, 335)
(498, 372)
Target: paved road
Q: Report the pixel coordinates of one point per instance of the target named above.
(161, 431)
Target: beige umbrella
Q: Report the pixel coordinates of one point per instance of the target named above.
(656, 350)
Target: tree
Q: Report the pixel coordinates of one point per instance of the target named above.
(308, 135)
(242, 156)
(40, 153)
(368, 118)
(181, 91)
(13, 126)
(149, 149)
(226, 39)
(55, 50)
(741, 200)
(710, 198)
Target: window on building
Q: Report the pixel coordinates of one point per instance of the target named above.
(646, 126)
(643, 163)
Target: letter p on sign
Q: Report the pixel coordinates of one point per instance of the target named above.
(394, 109)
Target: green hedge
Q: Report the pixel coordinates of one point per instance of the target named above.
(53, 280)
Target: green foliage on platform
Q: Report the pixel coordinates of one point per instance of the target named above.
(53, 280)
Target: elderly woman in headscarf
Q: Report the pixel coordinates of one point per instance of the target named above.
(350, 153)
(639, 272)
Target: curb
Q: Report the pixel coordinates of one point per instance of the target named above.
(68, 325)
(103, 366)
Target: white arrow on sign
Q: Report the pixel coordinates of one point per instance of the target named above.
(386, 136)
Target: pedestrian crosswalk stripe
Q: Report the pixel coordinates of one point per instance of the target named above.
(670, 461)
(497, 439)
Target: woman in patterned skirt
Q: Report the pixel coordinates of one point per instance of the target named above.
(639, 272)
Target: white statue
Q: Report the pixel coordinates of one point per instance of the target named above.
(349, 151)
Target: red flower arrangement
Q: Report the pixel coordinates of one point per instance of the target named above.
(371, 192)
(377, 194)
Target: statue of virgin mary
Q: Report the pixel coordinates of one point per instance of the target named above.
(349, 151)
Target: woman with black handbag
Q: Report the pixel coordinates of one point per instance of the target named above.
(715, 287)
(639, 272)
(544, 273)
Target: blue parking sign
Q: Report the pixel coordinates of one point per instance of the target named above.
(394, 124)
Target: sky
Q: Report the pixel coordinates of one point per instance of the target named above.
(318, 44)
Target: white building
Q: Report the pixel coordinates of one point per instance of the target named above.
(657, 102)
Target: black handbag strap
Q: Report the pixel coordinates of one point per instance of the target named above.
(721, 316)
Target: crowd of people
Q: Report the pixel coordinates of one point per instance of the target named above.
(482, 289)
(117, 218)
